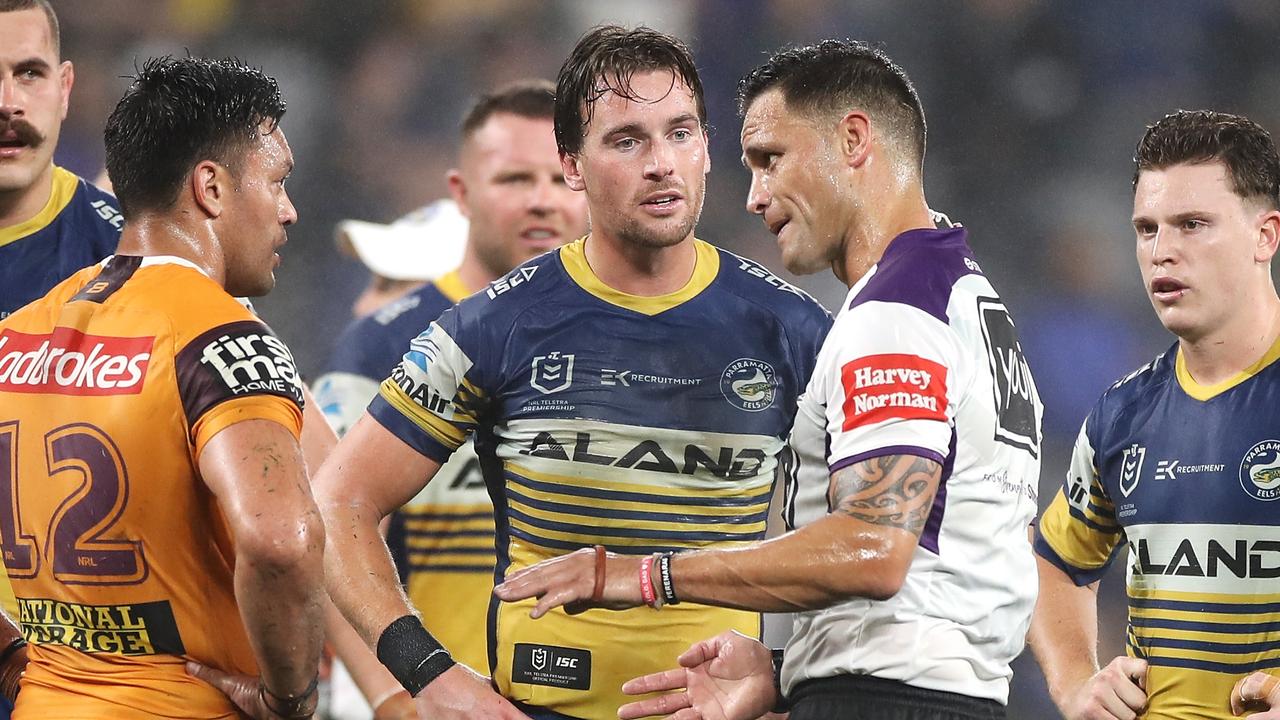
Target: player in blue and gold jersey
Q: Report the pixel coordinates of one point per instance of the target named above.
(510, 203)
(52, 223)
(630, 391)
(1179, 463)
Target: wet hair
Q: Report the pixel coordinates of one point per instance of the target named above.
(835, 76)
(1204, 136)
(177, 113)
(54, 31)
(533, 99)
(603, 61)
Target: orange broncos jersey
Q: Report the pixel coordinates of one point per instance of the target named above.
(120, 558)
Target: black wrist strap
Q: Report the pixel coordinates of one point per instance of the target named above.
(412, 655)
(292, 707)
(780, 704)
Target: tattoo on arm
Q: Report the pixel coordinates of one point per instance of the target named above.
(893, 490)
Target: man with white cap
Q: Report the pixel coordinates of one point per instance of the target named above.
(421, 246)
(509, 204)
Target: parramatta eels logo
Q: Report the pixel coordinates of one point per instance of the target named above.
(1260, 471)
(748, 384)
(552, 373)
(1131, 468)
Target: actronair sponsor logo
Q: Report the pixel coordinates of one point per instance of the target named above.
(252, 362)
(69, 362)
(893, 386)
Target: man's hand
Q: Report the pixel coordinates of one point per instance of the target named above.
(729, 677)
(462, 694)
(570, 580)
(1116, 692)
(1259, 691)
(242, 690)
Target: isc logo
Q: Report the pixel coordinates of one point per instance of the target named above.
(517, 277)
(566, 662)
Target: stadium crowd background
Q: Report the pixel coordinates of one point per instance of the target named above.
(1034, 107)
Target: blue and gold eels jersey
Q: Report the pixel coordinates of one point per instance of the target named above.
(79, 226)
(1187, 476)
(442, 539)
(643, 424)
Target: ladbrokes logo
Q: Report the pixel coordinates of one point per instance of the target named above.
(68, 362)
(893, 386)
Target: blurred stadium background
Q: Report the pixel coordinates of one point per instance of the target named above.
(1034, 107)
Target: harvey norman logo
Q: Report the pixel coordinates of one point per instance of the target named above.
(69, 362)
(893, 386)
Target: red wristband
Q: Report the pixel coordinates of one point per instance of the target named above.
(597, 592)
(646, 582)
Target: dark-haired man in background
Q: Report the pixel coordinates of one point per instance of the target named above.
(153, 423)
(1180, 461)
(919, 437)
(629, 391)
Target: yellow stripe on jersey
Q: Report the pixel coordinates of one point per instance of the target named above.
(701, 502)
(451, 286)
(441, 430)
(1205, 392)
(706, 267)
(64, 188)
(1084, 546)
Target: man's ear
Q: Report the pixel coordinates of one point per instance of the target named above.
(210, 183)
(458, 190)
(1268, 236)
(572, 172)
(854, 135)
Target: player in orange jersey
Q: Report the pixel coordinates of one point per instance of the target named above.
(154, 505)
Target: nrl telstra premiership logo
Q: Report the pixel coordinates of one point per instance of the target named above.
(1131, 468)
(552, 373)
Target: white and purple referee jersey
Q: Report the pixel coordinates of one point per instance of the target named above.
(924, 360)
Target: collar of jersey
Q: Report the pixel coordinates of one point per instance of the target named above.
(706, 267)
(64, 187)
(149, 260)
(451, 286)
(1207, 392)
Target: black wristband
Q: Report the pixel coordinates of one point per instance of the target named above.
(412, 655)
(665, 584)
(14, 646)
(780, 704)
(291, 707)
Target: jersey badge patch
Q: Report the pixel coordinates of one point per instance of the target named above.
(552, 373)
(749, 384)
(1260, 471)
(69, 362)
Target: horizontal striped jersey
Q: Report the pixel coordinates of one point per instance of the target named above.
(1186, 478)
(924, 360)
(640, 423)
(442, 539)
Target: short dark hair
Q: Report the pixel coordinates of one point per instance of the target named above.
(832, 77)
(177, 113)
(1203, 136)
(54, 31)
(603, 61)
(533, 99)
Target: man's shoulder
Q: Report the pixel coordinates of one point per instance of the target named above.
(920, 269)
(500, 303)
(372, 344)
(1131, 392)
(768, 291)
